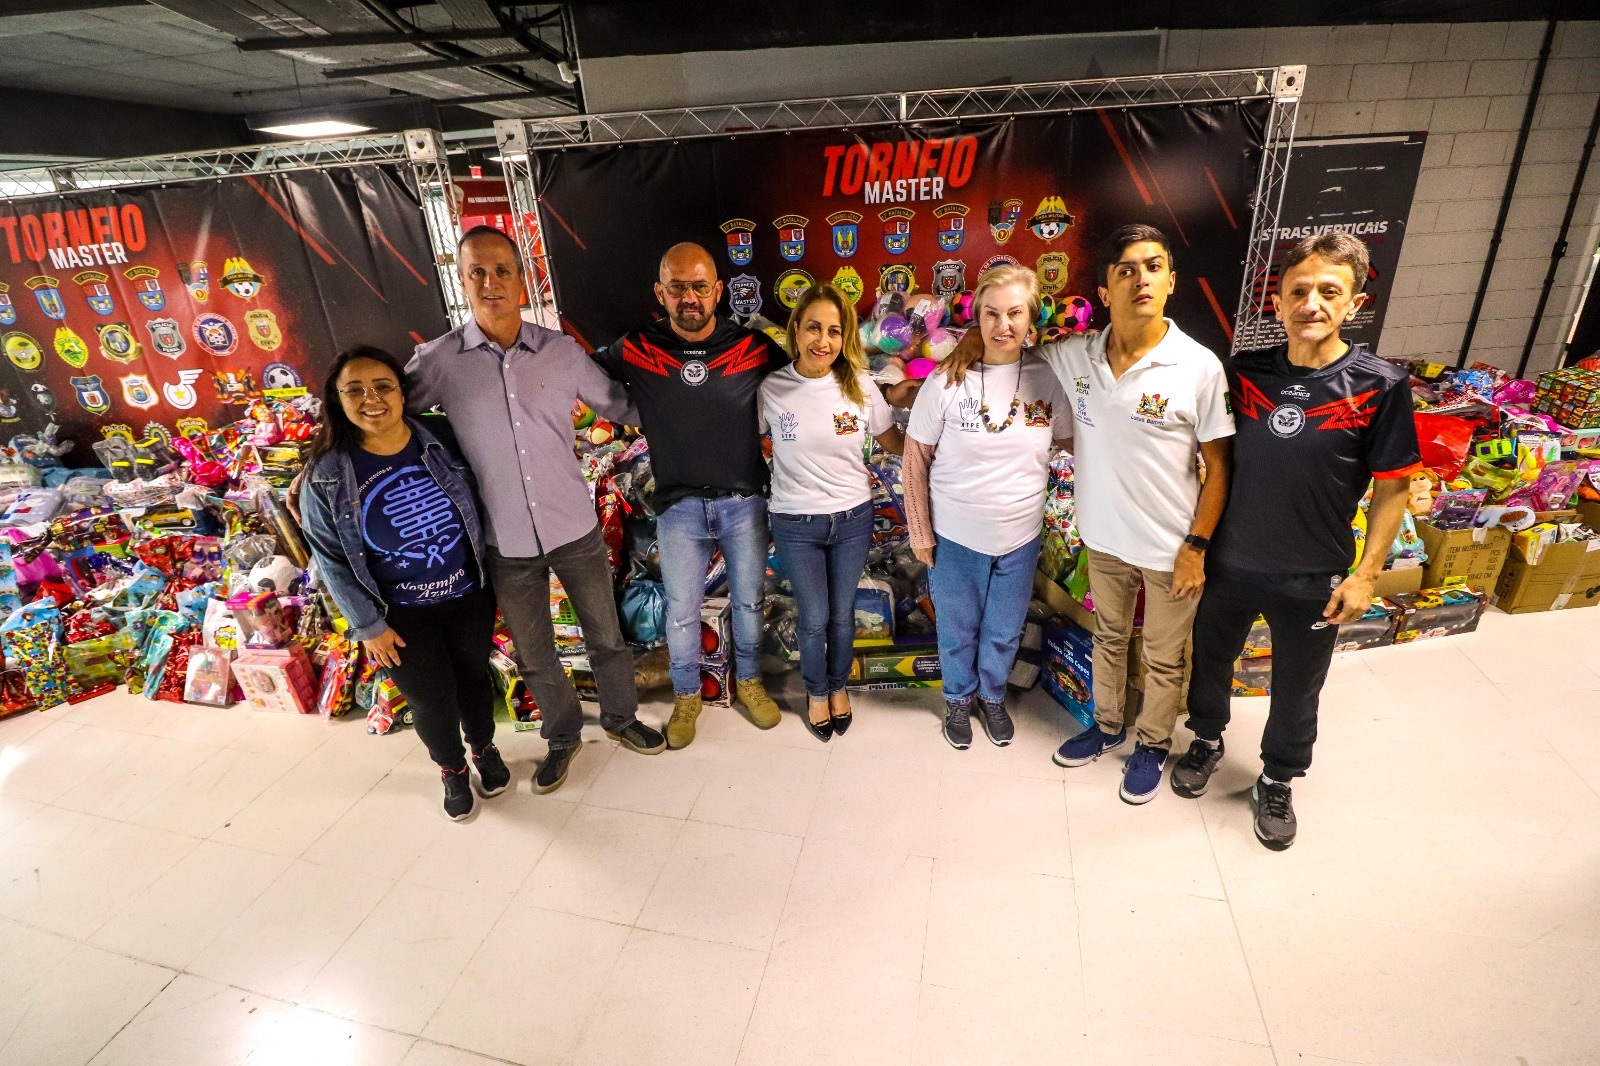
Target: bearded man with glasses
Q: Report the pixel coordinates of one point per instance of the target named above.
(696, 380)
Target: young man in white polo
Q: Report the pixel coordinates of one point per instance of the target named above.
(1146, 398)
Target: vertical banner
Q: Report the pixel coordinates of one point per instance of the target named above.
(1359, 185)
(167, 309)
(924, 208)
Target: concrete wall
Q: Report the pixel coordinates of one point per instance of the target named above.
(1466, 84)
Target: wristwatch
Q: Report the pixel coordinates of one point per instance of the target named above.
(1197, 542)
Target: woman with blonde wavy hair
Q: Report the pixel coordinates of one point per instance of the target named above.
(821, 411)
(975, 474)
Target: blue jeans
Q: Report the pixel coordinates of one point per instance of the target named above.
(688, 533)
(823, 555)
(981, 602)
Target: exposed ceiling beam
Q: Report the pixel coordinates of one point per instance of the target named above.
(500, 98)
(414, 66)
(61, 7)
(358, 40)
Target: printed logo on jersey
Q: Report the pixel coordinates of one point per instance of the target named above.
(1082, 415)
(968, 408)
(693, 373)
(1296, 392)
(1152, 407)
(788, 426)
(846, 424)
(1287, 420)
(1037, 414)
(1081, 385)
(419, 523)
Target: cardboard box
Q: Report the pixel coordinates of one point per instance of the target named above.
(1067, 671)
(716, 683)
(1395, 582)
(1056, 598)
(1252, 677)
(897, 663)
(1463, 556)
(1565, 577)
(1438, 612)
(716, 629)
(1588, 513)
(1375, 629)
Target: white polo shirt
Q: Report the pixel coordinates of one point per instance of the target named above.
(1135, 440)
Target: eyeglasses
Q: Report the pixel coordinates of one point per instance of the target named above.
(677, 289)
(382, 390)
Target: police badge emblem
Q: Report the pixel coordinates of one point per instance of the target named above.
(147, 282)
(91, 394)
(136, 391)
(155, 431)
(896, 229)
(1003, 219)
(70, 347)
(216, 334)
(744, 295)
(262, 326)
(239, 279)
(281, 380)
(166, 337)
(96, 291)
(183, 396)
(995, 261)
(739, 232)
(792, 236)
(117, 431)
(1050, 219)
(790, 286)
(8, 312)
(1052, 272)
(949, 277)
(897, 277)
(47, 291)
(952, 225)
(117, 343)
(848, 282)
(23, 351)
(846, 233)
(196, 276)
(192, 428)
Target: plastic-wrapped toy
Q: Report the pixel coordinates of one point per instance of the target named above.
(44, 450)
(209, 677)
(941, 342)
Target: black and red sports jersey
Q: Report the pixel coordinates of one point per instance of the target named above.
(1308, 443)
(698, 403)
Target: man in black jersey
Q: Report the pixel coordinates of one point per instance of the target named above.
(1318, 420)
(695, 379)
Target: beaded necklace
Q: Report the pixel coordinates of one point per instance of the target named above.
(983, 403)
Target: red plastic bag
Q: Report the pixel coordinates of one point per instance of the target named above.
(1445, 441)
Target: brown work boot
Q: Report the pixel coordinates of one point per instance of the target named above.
(763, 712)
(680, 727)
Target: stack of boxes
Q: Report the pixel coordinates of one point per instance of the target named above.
(1571, 397)
(716, 651)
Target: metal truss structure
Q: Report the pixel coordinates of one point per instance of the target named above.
(420, 153)
(520, 140)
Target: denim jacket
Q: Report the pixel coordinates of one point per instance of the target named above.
(331, 521)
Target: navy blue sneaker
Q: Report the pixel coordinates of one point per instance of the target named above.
(1088, 746)
(1141, 778)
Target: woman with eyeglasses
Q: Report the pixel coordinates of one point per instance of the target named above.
(391, 515)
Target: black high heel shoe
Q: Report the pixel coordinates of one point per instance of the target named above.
(823, 732)
(840, 722)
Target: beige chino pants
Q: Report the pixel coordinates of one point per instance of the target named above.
(1114, 586)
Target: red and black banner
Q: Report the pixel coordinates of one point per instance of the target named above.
(896, 207)
(1359, 185)
(151, 307)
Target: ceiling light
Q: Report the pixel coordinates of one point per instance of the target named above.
(321, 128)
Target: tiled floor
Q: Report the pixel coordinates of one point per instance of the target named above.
(184, 885)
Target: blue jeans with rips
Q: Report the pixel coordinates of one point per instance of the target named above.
(823, 556)
(981, 602)
(688, 533)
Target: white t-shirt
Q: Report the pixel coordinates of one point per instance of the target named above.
(986, 490)
(819, 441)
(1135, 438)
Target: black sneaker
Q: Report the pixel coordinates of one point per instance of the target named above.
(1275, 824)
(552, 773)
(958, 723)
(996, 722)
(494, 776)
(458, 801)
(1192, 774)
(636, 736)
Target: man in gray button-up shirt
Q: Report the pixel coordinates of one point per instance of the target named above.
(508, 387)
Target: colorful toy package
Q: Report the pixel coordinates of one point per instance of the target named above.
(209, 677)
(31, 639)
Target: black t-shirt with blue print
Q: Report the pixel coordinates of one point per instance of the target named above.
(417, 545)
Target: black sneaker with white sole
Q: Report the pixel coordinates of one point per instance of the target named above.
(958, 723)
(1192, 774)
(458, 801)
(552, 773)
(1275, 824)
(494, 776)
(996, 722)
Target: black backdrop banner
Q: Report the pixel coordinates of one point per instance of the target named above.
(930, 206)
(147, 307)
(1362, 185)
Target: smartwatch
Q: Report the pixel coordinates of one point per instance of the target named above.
(1197, 542)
